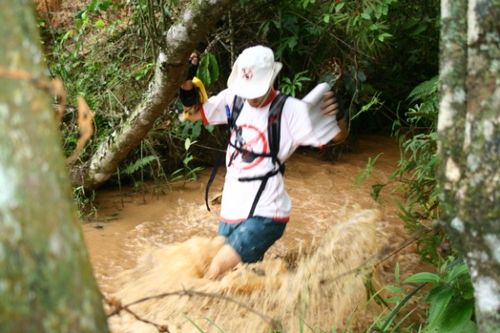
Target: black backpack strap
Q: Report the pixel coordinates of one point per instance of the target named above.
(211, 179)
(263, 181)
(274, 127)
(232, 115)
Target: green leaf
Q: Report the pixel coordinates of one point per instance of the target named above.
(458, 313)
(367, 171)
(208, 70)
(424, 90)
(423, 277)
(339, 6)
(196, 129)
(213, 67)
(384, 36)
(439, 302)
(375, 191)
(187, 143)
(187, 160)
(203, 71)
(394, 299)
(100, 23)
(393, 289)
(210, 128)
(397, 274)
(139, 164)
(291, 42)
(366, 15)
(456, 272)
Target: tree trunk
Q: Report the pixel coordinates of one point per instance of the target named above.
(46, 282)
(197, 19)
(469, 144)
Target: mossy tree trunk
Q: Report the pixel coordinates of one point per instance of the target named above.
(197, 19)
(46, 282)
(469, 144)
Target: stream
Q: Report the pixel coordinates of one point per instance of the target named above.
(159, 240)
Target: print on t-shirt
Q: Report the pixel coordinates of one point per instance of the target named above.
(250, 143)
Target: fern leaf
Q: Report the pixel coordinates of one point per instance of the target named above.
(424, 89)
(139, 164)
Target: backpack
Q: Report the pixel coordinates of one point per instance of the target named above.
(273, 134)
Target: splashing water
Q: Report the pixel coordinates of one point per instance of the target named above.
(320, 289)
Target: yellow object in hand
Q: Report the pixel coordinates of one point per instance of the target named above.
(202, 98)
(201, 89)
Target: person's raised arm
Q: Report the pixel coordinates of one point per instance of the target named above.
(188, 93)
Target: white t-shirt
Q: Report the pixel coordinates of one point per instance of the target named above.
(301, 124)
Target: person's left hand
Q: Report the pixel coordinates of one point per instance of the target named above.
(329, 105)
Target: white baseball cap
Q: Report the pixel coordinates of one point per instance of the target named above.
(253, 72)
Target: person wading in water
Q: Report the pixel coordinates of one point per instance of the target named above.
(266, 128)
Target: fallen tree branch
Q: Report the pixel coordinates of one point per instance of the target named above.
(197, 19)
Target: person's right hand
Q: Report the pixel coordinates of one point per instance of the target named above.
(329, 105)
(193, 65)
(191, 72)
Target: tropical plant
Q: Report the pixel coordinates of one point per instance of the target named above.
(188, 171)
(451, 298)
(291, 86)
(450, 301)
(417, 167)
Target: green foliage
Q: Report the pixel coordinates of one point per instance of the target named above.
(150, 20)
(208, 71)
(291, 86)
(188, 133)
(84, 202)
(188, 171)
(372, 105)
(367, 171)
(365, 22)
(189, 130)
(451, 299)
(417, 166)
(139, 164)
(398, 298)
(143, 71)
(77, 56)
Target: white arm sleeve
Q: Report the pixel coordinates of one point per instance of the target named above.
(214, 109)
(308, 125)
(324, 126)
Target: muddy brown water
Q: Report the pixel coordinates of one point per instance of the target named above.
(145, 243)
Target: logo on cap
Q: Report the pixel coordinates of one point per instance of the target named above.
(247, 73)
